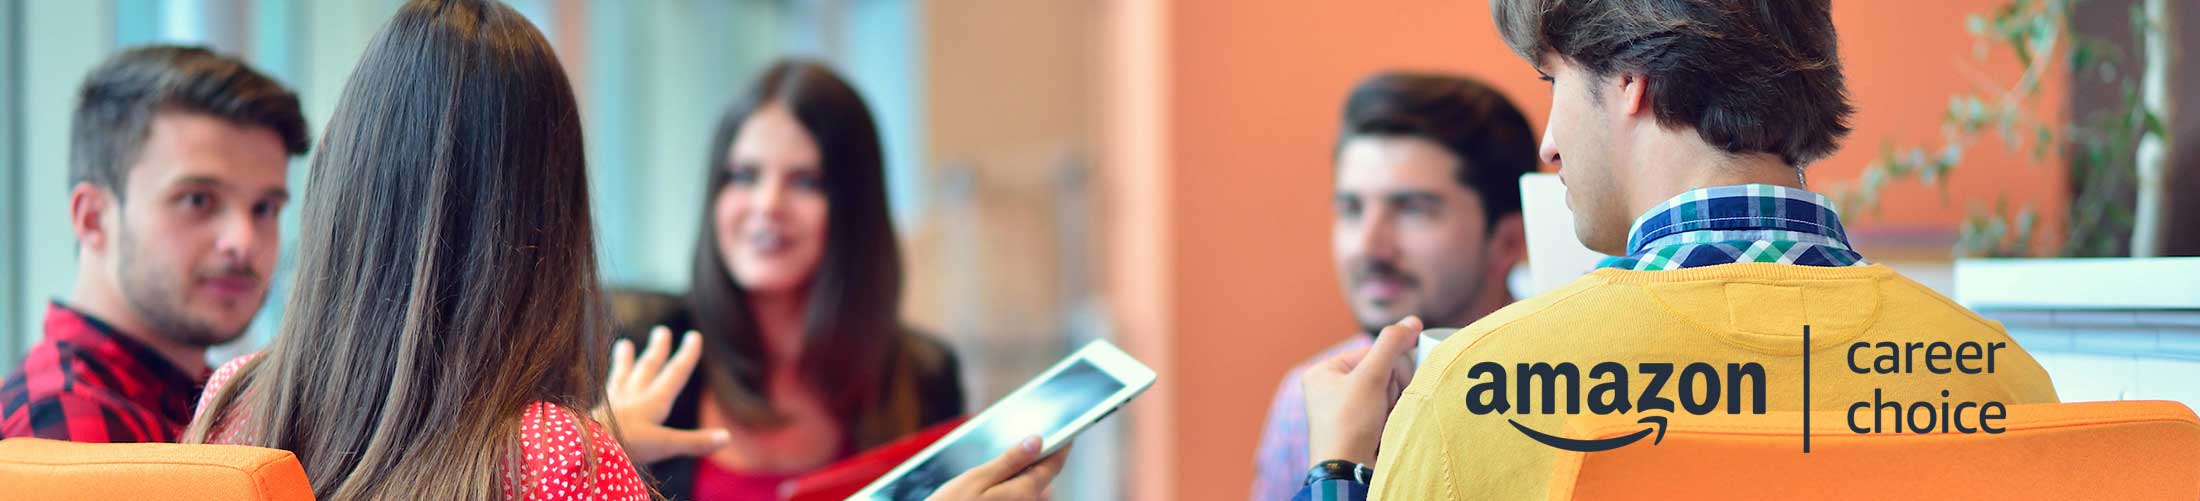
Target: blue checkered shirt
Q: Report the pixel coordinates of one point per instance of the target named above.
(1750, 223)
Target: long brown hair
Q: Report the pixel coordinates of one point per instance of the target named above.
(446, 270)
(852, 334)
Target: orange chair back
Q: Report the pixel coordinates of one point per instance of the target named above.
(33, 468)
(2089, 450)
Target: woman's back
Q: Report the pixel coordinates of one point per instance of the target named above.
(447, 302)
(554, 460)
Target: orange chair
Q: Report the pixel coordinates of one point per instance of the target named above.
(33, 468)
(2090, 450)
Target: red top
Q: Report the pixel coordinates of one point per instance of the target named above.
(85, 382)
(550, 444)
(715, 482)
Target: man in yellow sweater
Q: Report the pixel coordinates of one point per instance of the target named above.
(1680, 129)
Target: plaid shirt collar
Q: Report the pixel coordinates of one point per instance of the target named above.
(66, 323)
(86, 382)
(1750, 223)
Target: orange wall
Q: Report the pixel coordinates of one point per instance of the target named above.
(1215, 147)
(1257, 88)
(1904, 59)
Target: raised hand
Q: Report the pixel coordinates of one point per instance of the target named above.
(639, 394)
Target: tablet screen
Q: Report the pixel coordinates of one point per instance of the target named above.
(1051, 406)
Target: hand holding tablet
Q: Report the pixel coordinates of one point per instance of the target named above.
(1056, 405)
(1013, 475)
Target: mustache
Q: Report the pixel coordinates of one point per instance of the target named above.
(1384, 270)
(230, 270)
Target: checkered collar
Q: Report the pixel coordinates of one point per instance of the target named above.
(1741, 223)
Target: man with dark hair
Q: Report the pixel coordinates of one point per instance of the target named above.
(1680, 128)
(1427, 224)
(179, 166)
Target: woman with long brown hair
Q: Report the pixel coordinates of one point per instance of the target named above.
(447, 333)
(796, 294)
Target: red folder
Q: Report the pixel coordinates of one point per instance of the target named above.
(842, 479)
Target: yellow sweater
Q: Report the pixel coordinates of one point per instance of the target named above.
(1434, 448)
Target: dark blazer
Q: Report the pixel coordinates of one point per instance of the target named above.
(938, 376)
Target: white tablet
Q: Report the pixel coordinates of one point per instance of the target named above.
(1055, 406)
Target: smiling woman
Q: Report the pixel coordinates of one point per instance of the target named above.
(796, 291)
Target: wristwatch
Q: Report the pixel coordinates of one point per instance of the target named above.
(1338, 469)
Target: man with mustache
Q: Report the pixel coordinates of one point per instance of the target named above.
(179, 166)
(1427, 224)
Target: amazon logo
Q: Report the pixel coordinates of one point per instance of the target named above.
(1543, 388)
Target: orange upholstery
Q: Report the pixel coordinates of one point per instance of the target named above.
(2090, 450)
(33, 468)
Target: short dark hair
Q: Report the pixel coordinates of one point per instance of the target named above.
(120, 97)
(1490, 138)
(1748, 75)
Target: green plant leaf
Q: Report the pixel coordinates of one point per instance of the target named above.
(2042, 139)
(2153, 124)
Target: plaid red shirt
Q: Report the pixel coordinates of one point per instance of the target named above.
(86, 383)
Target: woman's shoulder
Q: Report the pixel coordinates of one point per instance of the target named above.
(938, 376)
(224, 431)
(228, 372)
(928, 352)
(221, 378)
(568, 456)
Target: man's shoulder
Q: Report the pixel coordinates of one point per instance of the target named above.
(72, 374)
(56, 413)
(1902, 290)
(1600, 298)
(63, 367)
(1573, 300)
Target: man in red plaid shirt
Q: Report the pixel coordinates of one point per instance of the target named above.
(179, 164)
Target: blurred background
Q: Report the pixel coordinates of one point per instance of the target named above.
(1157, 172)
